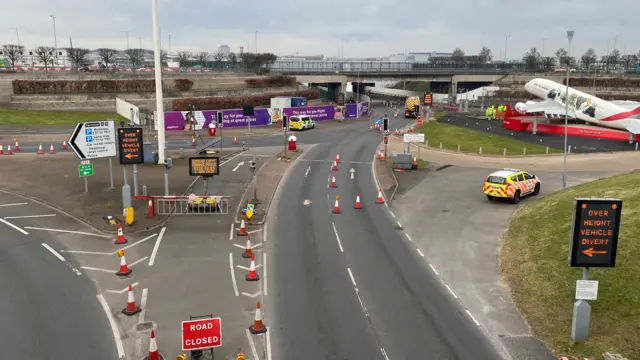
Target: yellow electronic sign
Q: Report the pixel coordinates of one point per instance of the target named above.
(427, 98)
(204, 166)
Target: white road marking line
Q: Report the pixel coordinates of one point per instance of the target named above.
(399, 225)
(341, 161)
(254, 231)
(392, 214)
(114, 326)
(434, 270)
(29, 216)
(231, 233)
(264, 273)
(97, 269)
(138, 261)
(76, 271)
(420, 252)
(451, 291)
(86, 252)
(143, 305)
(16, 204)
(235, 156)
(329, 203)
(252, 345)
(364, 308)
(154, 252)
(14, 226)
(351, 276)
(264, 236)
(46, 246)
(253, 296)
(67, 231)
(238, 166)
(337, 237)
(246, 268)
(307, 172)
(408, 237)
(123, 290)
(136, 243)
(268, 344)
(472, 318)
(384, 353)
(233, 275)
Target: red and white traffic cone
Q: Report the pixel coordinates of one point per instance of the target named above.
(258, 327)
(337, 158)
(51, 150)
(252, 275)
(1, 151)
(9, 152)
(153, 348)
(150, 210)
(131, 308)
(381, 155)
(380, 200)
(124, 269)
(243, 228)
(370, 127)
(248, 253)
(193, 141)
(333, 182)
(415, 161)
(120, 239)
(396, 132)
(357, 205)
(336, 207)
(334, 167)
(40, 151)
(235, 141)
(17, 146)
(64, 145)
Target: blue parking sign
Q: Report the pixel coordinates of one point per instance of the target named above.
(89, 138)
(88, 131)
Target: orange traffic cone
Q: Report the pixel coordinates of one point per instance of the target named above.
(131, 308)
(333, 182)
(337, 158)
(193, 141)
(336, 207)
(124, 269)
(243, 228)
(248, 253)
(357, 205)
(252, 275)
(9, 152)
(235, 141)
(381, 155)
(51, 150)
(415, 161)
(380, 200)
(370, 127)
(150, 210)
(120, 239)
(258, 327)
(17, 146)
(40, 151)
(1, 151)
(334, 167)
(64, 145)
(396, 132)
(153, 347)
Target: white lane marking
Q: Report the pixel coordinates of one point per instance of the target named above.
(384, 353)
(156, 246)
(238, 166)
(253, 296)
(246, 268)
(268, 344)
(341, 161)
(114, 326)
(364, 308)
(329, 204)
(451, 291)
(472, 318)
(55, 253)
(233, 157)
(76, 271)
(353, 280)
(138, 261)
(135, 243)
(434, 270)
(16, 204)
(97, 269)
(399, 225)
(143, 305)
(392, 214)
(254, 231)
(252, 345)
(14, 226)
(67, 231)
(123, 290)
(408, 237)
(231, 233)
(307, 172)
(29, 216)
(264, 236)
(420, 252)
(264, 273)
(233, 275)
(337, 237)
(86, 252)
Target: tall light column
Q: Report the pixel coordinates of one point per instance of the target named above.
(55, 36)
(566, 115)
(158, 78)
(256, 41)
(506, 42)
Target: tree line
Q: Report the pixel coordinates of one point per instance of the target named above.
(247, 60)
(533, 60)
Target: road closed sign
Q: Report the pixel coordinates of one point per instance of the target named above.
(201, 334)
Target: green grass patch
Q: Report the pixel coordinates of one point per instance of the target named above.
(533, 260)
(36, 117)
(471, 140)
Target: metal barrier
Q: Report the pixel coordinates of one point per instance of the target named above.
(191, 205)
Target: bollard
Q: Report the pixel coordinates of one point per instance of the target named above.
(569, 151)
(144, 190)
(480, 152)
(636, 146)
(504, 153)
(524, 151)
(440, 145)
(426, 143)
(458, 147)
(181, 153)
(150, 209)
(546, 151)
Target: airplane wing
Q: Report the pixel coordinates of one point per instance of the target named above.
(625, 104)
(634, 126)
(547, 106)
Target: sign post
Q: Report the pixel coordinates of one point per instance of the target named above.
(413, 138)
(94, 140)
(85, 169)
(130, 149)
(594, 242)
(205, 167)
(201, 333)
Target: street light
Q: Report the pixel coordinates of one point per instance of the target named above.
(566, 114)
(159, 106)
(256, 41)
(55, 36)
(506, 41)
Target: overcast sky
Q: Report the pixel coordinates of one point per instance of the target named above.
(364, 28)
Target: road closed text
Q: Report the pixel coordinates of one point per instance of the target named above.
(201, 334)
(208, 341)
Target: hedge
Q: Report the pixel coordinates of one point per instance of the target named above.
(182, 84)
(221, 103)
(613, 82)
(522, 94)
(82, 86)
(271, 81)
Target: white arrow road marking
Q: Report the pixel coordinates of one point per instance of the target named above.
(238, 166)
(306, 203)
(123, 290)
(352, 171)
(246, 268)
(253, 296)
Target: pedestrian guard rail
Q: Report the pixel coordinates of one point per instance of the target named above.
(188, 205)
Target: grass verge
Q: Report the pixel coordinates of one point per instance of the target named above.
(533, 261)
(36, 117)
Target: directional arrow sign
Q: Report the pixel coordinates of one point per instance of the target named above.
(352, 171)
(238, 166)
(94, 140)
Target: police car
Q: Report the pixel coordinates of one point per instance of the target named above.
(511, 184)
(301, 122)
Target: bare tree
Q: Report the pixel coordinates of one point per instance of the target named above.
(184, 57)
(46, 55)
(458, 55)
(589, 58)
(233, 59)
(532, 59)
(218, 57)
(13, 53)
(136, 56)
(485, 54)
(77, 56)
(614, 57)
(548, 62)
(164, 56)
(628, 61)
(563, 57)
(107, 56)
(203, 58)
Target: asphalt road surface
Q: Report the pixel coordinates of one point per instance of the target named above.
(48, 310)
(349, 286)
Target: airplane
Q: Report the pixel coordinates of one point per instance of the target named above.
(616, 114)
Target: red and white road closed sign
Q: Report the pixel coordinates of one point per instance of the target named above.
(201, 334)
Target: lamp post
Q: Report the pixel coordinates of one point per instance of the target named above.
(55, 36)
(566, 114)
(159, 106)
(256, 41)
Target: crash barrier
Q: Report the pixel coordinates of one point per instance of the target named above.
(187, 205)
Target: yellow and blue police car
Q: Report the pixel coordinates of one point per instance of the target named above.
(301, 122)
(511, 184)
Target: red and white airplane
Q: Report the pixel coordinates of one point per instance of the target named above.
(622, 114)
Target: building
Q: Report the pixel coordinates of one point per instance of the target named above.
(225, 50)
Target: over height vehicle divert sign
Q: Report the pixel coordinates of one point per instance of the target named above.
(130, 146)
(594, 233)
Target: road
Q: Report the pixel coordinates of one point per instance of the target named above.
(349, 285)
(48, 310)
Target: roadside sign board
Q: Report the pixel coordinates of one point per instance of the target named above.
(427, 98)
(94, 140)
(413, 138)
(130, 146)
(201, 334)
(204, 166)
(586, 290)
(85, 170)
(594, 233)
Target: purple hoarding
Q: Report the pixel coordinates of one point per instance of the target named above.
(176, 120)
(351, 111)
(317, 113)
(364, 109)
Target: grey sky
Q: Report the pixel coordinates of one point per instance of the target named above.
(378, 28)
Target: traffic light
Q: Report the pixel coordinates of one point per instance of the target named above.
(385, 124)
(386, 140)
(417, 108)
(285, 121)
(219, 117)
